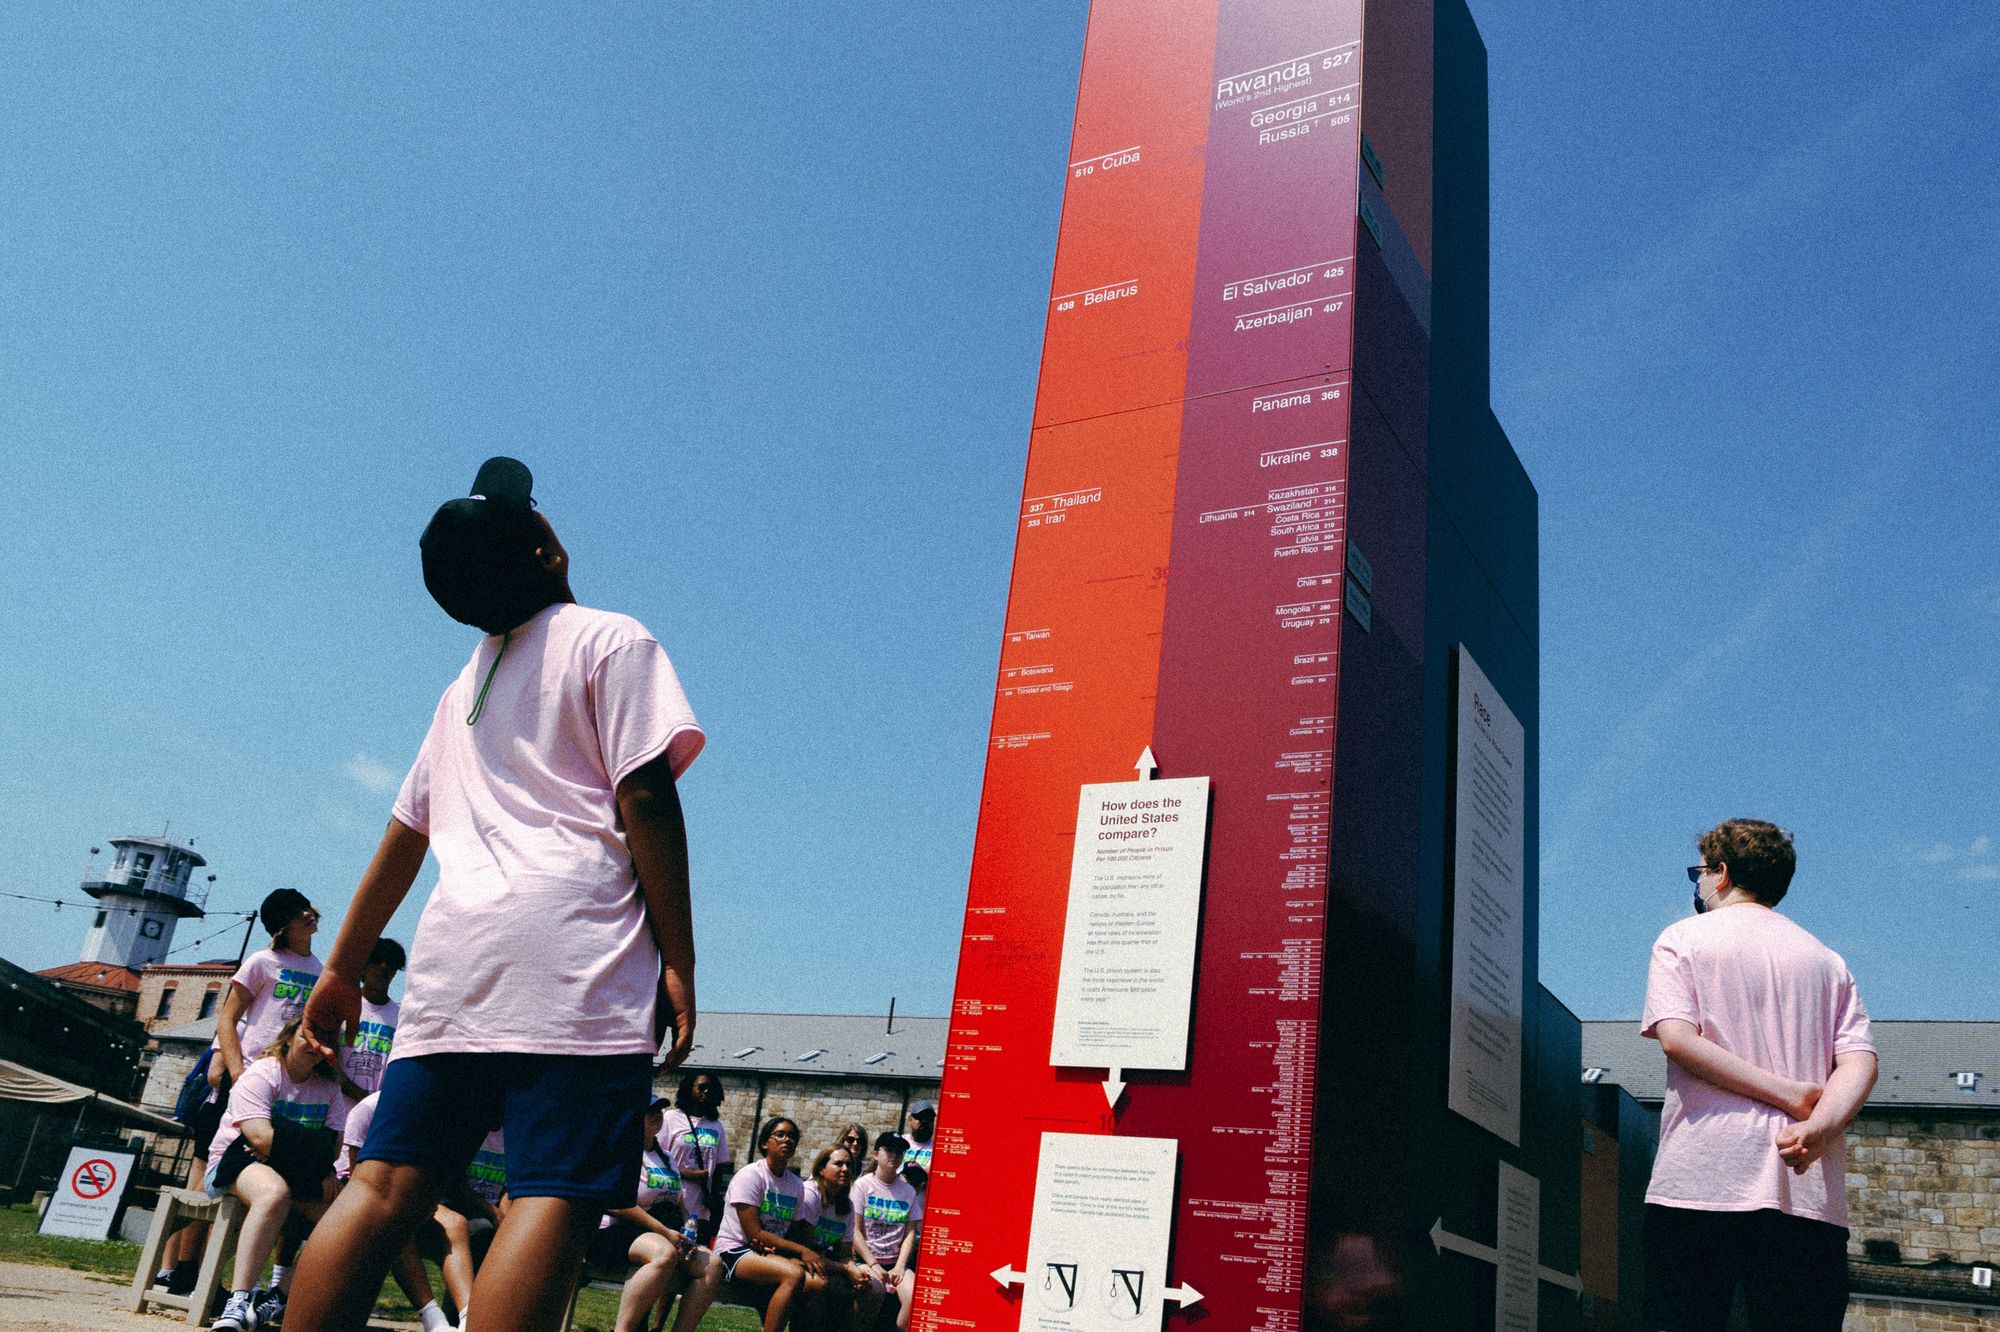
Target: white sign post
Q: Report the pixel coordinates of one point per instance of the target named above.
(1489, 891)
(87, 1194)
(1097, 1248)
(1127, 982)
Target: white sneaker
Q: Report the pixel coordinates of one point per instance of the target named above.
(238, 1315)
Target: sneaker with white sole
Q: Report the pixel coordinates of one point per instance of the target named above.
(270, 1306)
(238, 1315)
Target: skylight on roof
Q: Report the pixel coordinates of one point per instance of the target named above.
(808, 1056)
(878, 1058)
(1594, 1074)
(746, 1051)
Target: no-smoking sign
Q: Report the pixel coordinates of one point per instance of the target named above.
(92, 1185)
(94, 1178)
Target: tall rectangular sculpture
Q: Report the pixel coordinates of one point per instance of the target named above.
(1269, 529)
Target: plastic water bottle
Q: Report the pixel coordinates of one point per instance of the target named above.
(691, 1232)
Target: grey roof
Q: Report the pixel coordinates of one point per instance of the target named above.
(846, 1042)
(201, 1031)
(1920, 1062)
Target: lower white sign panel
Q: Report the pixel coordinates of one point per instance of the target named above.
(1516, 1305)
(1489, 892)
(1097, 1248)
(1128, 938)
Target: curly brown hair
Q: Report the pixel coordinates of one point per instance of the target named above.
(1759, 855)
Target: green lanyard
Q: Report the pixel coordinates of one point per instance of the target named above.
(480, 705)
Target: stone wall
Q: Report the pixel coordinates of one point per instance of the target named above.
(1868, 1313)
(1930, 1184)
(821, 1106)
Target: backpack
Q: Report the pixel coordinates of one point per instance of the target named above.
(194, 1088)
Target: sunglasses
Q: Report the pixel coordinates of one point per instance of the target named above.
(1696, 871)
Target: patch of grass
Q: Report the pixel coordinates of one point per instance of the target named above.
(20, 1244)
(596, 1310)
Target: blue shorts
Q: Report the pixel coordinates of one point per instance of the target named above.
(575, 1125)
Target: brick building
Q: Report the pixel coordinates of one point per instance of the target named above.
(174, 994)
(1923, 1160)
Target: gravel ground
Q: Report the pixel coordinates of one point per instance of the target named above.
(56, 1299)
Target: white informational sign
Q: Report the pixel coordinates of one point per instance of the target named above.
(1127, 980)
(1097, 1248)
(87, 1193)
(1516, 1302)
(1489, 889)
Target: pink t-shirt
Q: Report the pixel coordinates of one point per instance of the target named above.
(486, 1172)
(777, 1202)
(359, 1116)
(700, 1144)
(265, 1092)
(832, 1229)
(278, 985)
(535, 938)
(374, 1035)
(886, 1213)
(1765, 990)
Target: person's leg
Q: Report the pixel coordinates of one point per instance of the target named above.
(906, 1290)
(1690, 1271)
(343, 1265)
(704, 1284)
(657, 1259)
(266, 1200)
(785, 1278)
(525, 1282)
(185, 1245)
(432, 1113)
(1796, 1277)
(456, 1264)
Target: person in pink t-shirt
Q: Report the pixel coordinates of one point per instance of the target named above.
(558, 944)
(888, 1210)
(765, 1203)
(1768, 1060)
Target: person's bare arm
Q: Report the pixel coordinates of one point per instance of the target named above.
(645, 1220)
(907, 1252)
(259, 1134)
(1712, 1064)
(234, 1001)
(656, 831)
(335, 1005)
(1847, 1089)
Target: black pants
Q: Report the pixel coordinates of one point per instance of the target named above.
(1792, 1271)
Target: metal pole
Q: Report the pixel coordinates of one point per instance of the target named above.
(33, 1129)
(244, 950)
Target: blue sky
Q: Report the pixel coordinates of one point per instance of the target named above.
(758, 292)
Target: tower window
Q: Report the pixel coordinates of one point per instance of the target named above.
(166, 1002)
(98, 924)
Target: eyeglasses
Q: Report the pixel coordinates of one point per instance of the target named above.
(1696, 871)
(310, 913)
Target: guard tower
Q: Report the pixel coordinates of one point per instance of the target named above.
(147, 890)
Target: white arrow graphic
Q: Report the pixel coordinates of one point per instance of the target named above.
(1114, 1087)
(1442, 1239)
(1182, 1295)
(1007, 1276)
(1147, 765)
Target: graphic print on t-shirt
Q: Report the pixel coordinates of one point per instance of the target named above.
(306, 1114)
(778, 1210)
(890, 1211)
(487, 1171)
(291, 989)
(830, 1232)
(658, 1176)
(919, 1154)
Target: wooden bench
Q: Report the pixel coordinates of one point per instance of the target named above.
(178, 1207)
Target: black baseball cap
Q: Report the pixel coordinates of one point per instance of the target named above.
(479, 551)
(280, 908)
